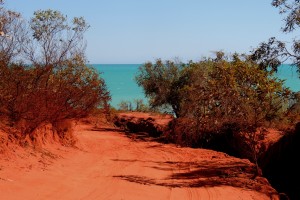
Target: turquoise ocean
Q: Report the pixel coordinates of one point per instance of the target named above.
(121, 83)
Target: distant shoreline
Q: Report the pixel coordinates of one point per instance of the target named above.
(122, 86)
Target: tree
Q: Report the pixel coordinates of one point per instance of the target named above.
(213, 93)
(13, 34)
(55, 40)
(161, 82)
(274, 52)
(221, 91)
(57, 84)
(125, 106)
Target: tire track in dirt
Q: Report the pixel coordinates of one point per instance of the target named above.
(108, 165)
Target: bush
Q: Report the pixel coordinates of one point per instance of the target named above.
(51, 97)
(57, 85)
(137, 105)
(219, 102)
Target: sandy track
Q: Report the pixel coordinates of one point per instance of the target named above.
(108, 165)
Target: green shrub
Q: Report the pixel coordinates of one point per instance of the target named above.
(215, 91)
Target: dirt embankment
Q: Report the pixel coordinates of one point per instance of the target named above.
(150, 124)
(108, 165)
(281, 166)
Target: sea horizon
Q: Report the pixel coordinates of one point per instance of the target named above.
(120, 80)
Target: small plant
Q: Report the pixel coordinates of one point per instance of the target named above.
(136, 105)
(125, 106)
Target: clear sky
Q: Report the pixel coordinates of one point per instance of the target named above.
(136, 31)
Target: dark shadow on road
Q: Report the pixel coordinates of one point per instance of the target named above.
(211, 173)
(106, 130)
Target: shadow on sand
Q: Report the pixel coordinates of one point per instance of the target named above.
(202, 174)
(117, 130)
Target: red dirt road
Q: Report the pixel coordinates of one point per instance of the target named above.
(109, 165)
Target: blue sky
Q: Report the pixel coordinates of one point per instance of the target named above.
(136, 31)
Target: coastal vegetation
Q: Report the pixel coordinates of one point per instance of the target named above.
(227, 103)
(213, 94)
(43, 73)
(274, 52)
(217, 102)
(226, 94)
(135, 105)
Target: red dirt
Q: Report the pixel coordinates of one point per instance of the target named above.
(108, 165)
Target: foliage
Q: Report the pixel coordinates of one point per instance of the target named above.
(125, 106)
(54, 40)
(214, 93)
(57, 84)
(237, 91)
(291, 9)
(136, 105)
(274, 52)
(12, 36)
(140, 106)
(69, 93)
(161, 83)
(293, 112)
